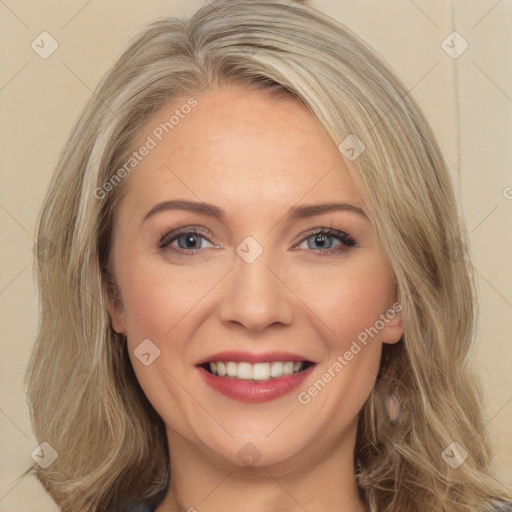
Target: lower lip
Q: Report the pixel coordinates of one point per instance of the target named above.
(251, 391)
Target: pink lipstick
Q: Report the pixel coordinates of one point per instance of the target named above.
(254, 377)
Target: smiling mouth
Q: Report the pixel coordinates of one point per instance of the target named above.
(258, 372)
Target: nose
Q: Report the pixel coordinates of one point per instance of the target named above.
(256, 294)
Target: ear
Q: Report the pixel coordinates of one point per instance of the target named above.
(117, 317)
(393, 329)
(115, 307)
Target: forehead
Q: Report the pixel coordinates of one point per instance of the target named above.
(240, 147)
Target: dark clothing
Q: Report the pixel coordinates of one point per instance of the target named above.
(131, 507)
(147, 508)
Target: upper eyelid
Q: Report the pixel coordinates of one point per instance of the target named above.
(333, 232)
(173, 234)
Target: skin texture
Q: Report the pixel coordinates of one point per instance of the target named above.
(255, 155)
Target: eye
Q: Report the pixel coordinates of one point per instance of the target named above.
(323, 237)
(188, 239)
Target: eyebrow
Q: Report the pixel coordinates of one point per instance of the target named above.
(294, 213)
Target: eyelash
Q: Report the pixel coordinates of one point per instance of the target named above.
(346, 240)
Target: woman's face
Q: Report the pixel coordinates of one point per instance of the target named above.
(252, 282)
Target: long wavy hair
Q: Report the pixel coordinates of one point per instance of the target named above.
(84, 398)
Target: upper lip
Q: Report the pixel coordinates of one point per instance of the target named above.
(253, 357)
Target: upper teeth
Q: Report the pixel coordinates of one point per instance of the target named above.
(257, 371)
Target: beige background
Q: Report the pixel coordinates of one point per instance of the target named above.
(468, 101)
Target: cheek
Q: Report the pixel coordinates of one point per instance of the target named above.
(158, 296)
(348, 303)
(161, 304)
(347, 299)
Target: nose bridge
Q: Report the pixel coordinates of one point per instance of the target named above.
(254, 295)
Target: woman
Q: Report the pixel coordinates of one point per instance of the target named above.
(254, 302)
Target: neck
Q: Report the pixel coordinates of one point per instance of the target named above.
(319, 478)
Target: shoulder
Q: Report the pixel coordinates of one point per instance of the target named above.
(134, 507)
(146, 508)
(506, 507)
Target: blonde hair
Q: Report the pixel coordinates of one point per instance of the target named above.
(84, 397)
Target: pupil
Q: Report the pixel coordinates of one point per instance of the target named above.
(320, 240)
(190, 241)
